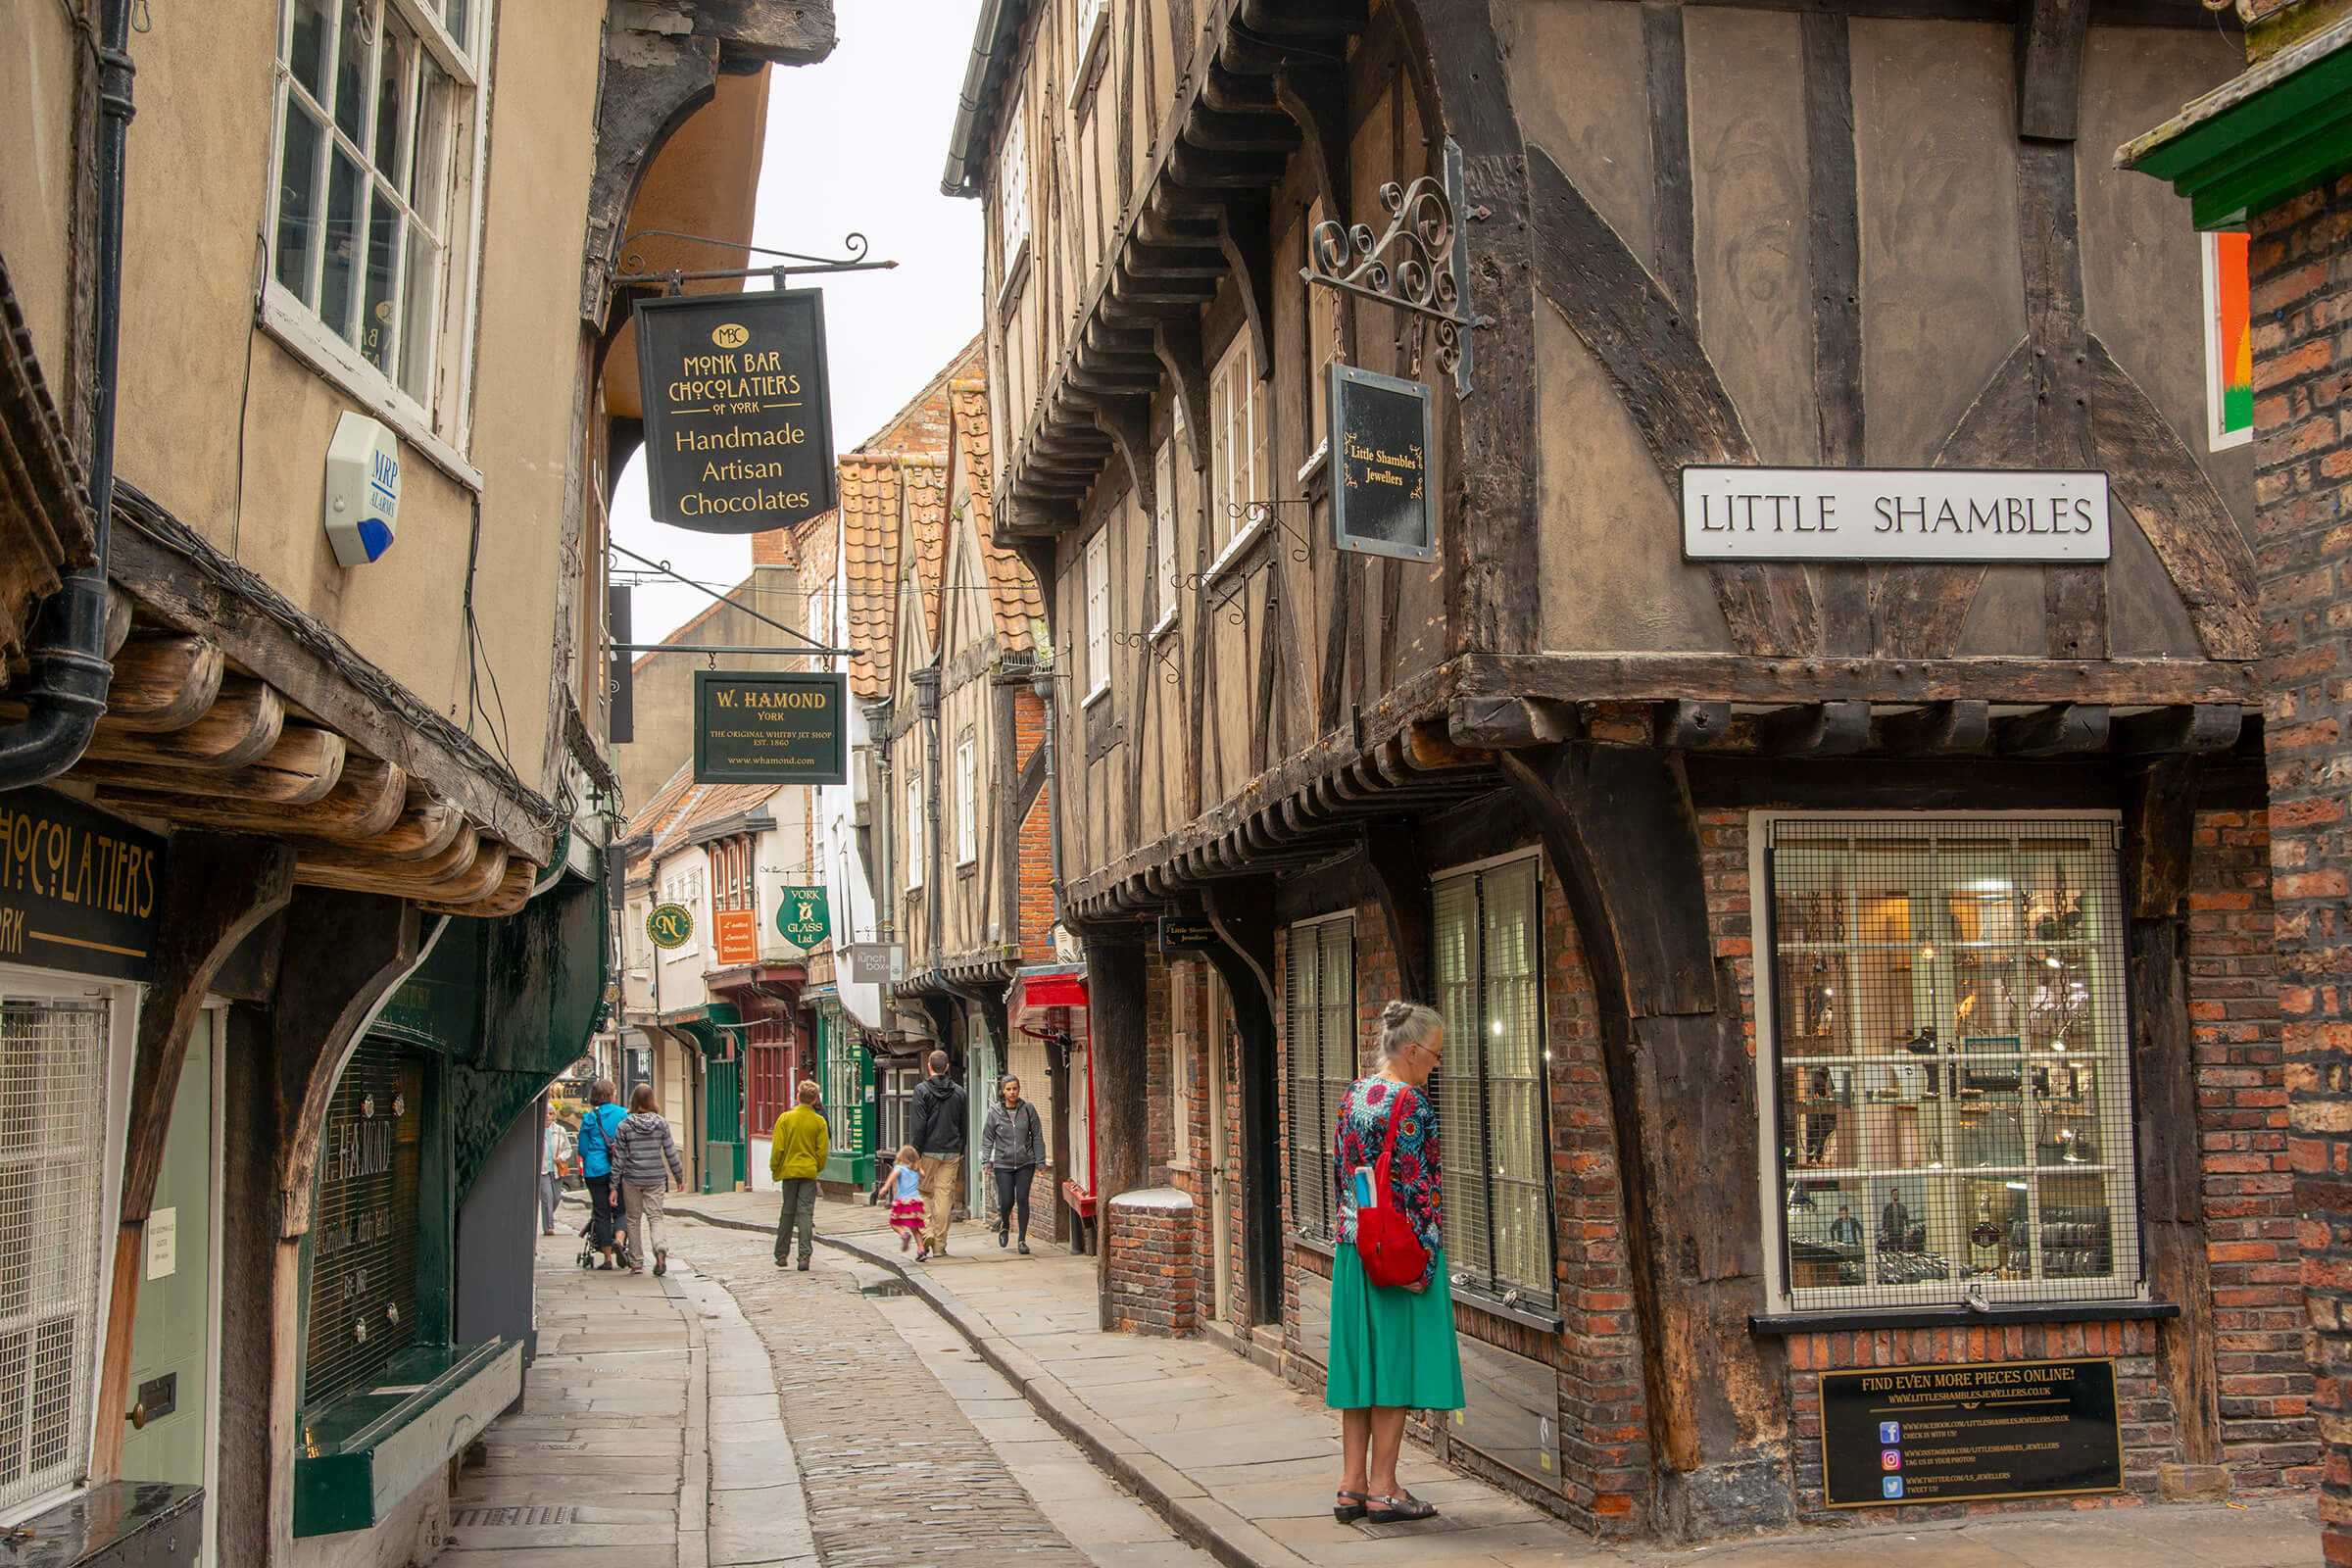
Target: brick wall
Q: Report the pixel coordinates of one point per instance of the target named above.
(1035, 917)
(2300, 267)
(1150, 1237)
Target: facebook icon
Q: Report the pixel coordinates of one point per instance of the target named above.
(1890, 1487)
(1890, 1433)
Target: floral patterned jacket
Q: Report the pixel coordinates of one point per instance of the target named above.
(1415, 1175)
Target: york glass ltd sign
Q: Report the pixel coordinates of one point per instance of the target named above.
(1985, 516)
(802, 915)
(769, 727)
(738, 415)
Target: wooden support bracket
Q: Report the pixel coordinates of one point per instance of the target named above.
(1815, 729)
(2194, 728)
(1939, 729)
(2060, 730)
(1685, 725)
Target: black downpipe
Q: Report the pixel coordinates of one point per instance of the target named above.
(66, 691)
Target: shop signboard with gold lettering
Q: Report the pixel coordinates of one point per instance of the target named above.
(1380, 450)
(79, 890)
(738, 412)
(1941, 1434)
(770, 727)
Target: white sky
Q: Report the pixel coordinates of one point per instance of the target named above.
(856, 142)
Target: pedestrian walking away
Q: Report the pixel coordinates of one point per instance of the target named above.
(905, 1182)
(555, 1148)
(935, 1126)
(1012, 1145)
(1392, 1349)
(645, 1159)
(597, 1128)
(796, 1157)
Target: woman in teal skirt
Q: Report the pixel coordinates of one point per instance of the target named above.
(1391, 1347)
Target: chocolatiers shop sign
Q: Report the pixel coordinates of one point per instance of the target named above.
(1939, 1434)
(738, 415)
(760, 728)
(78, 888)
(1984, 516)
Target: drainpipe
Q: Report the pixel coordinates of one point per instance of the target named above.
(66, 689)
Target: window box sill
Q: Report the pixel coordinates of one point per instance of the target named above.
(301, 334)
(365, 1452)
(1948, 1315)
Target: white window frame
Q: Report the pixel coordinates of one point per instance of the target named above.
(1090, 30)
(1315, 1211)
(1467, 1154)
(2128, 1281)
(1184, 1069)
(1163, 537)
(1097, 614)
(442, 440)
(1011, 184)
(1235, 443)
(968, 803)
(121, 1002)
(913, 836)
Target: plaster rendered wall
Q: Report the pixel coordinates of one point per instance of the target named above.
(37, 85)
(228, 430)
(665, 682)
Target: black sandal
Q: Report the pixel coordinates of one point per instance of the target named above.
(1402, 1510)
(1349, 1513)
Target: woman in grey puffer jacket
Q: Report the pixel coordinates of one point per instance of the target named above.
(1012, 1145)
(641, 1149)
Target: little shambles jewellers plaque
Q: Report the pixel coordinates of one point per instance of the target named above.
(1939, 1434)
(760, 728)
(738, 412)
(1985, 516)
(1380, 446)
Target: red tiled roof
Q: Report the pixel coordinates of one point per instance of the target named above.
(869, 544)
(714, 803)
(926, 492)
(659, 811)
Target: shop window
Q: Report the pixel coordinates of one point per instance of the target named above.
(371, 228)
(845, 1087)
(53, 1165)
(1949, 1095)
(1490, 1089)
(1319, 1003)
(1237, 425)
(366, 1222)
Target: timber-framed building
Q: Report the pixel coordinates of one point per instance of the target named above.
(1846, 964)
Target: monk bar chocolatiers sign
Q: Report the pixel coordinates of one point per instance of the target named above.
(78, 888)
(1939, 1434)
(757, 727)
(1986, 516)
(1380, 446)
(738, 412)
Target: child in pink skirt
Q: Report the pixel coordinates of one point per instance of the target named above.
(906, 1184)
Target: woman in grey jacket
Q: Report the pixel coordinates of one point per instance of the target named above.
(641, 1150)
(1012, 1145)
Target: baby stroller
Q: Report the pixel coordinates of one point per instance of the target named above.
(590, 1253)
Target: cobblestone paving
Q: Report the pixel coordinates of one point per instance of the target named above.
(896, 1474)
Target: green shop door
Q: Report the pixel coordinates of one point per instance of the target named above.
(169, 1434)
(722, 1126)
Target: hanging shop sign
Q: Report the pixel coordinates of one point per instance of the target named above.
(763, 727)
(1941, 1434)
(78, 888)
(1186, 936)
(802, 917)
(671, 925)
(736, 934)
(738, 412)
(1997, 516)
(877, 964)
(1380, 447)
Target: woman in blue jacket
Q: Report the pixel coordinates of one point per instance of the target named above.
(597, 1127)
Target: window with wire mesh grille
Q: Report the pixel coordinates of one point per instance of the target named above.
(1490, 1088)
(364, 1224)
(1950, 1083)
(51, 1174)
(845, 1079)
(1319, 999)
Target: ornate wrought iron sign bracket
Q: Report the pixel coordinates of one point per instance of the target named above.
(633, 273)
(1416, 266)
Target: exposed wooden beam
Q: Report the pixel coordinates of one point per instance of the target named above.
(1662, 677)
(163, 681)
(2198, 727)
(1938, 728)
(1685, 725)
(366, 801)
(2058, 730)
(1815, 729)
(298, 771)
(2049, 67)
(238, 729)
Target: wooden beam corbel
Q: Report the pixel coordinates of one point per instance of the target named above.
(1487, 722)
(2061, 729)
(163, 681)
(2189, 727)
(1127, 420)
(1815, 729)
(1313, 92)
(1245, 234)
(238, 729)
(366, 799)
(1177, 343)
(217, 890)
(1689, 726)
(1937, 729)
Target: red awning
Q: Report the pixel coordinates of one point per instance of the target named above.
(1054, 991)
(1035, 996)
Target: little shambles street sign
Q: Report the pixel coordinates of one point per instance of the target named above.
(738, 414)
(1939, 1433)
(1380, 445)
(763, 727)
(1980, 515)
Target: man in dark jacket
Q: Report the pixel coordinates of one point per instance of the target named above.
(935, 1127)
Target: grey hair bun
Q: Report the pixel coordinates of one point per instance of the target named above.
(1395, 1014)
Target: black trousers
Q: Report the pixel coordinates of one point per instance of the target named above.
(1012, 1196)
(601, 1216)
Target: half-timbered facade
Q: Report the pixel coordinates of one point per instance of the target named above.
(1849, 962)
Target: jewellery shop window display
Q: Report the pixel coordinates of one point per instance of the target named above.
(369, 1235)
(1949, 1108)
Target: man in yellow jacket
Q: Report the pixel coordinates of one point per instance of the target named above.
(794, 1159)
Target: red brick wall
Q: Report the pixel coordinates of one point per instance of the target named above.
(1152, 1276)
(1036, 912)
(2300, 267)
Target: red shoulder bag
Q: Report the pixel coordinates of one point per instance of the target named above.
(1385, 1242)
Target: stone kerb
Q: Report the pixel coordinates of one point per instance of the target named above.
(1149, 1235)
